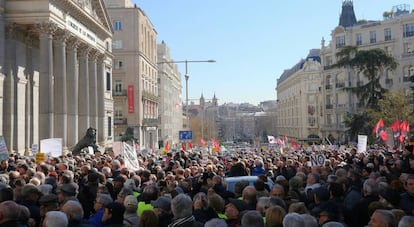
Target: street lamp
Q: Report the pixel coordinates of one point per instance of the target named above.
(186, 81)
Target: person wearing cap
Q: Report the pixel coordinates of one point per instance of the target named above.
(66, 192)
(233, 210)
(130, 216)
(162, 208)
(30, 195)
(48, 203)
(150, 193)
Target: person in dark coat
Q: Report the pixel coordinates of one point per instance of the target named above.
(407, 198)
(162, 208)
(8, 215)
(113, 215)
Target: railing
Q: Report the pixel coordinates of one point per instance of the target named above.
(360, 83)
(120, 93)
(149, 96)
(341, 105)
(120, 121)
(340, 85)
(328, 86)
(407, 79)
(329, 106)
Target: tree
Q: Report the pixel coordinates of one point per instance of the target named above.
(371, 63)
(393, 106)
(358, 124)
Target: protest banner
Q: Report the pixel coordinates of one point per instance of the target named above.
(362, 143)
(130, 155)
(52, 147)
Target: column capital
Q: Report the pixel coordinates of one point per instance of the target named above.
(62, 36)
(100, 57)
(73, 43)
(93, 54)
(46, 28)
(10, 31)
(84, 50)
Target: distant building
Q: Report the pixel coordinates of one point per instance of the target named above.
(135, 77)
(299, 99)
(170, 103)
(319, 108)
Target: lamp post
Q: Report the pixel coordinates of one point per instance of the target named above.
(186, 81)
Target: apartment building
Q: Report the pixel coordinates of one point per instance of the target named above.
(135, 72)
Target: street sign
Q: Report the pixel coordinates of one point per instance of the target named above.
(186, 135)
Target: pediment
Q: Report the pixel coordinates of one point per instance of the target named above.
(97, 10)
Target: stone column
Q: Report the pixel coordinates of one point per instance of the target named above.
(28, 135)
(2, 64)
(101, 98)
(46, 91)
(93, 93)
(72, 74)
(60, 90)
(83, 99)
(9, 88)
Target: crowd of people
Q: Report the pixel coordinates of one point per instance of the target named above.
(188, 188)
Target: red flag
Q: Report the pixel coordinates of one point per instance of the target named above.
(167, 146)
(404, 130)
(279, 142)
(379, 131)
(190, 145)
(183, 147)
(216, 145)
(396, 128)
(203, 142)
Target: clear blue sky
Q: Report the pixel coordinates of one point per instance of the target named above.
(253, 41)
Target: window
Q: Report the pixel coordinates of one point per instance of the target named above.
(109, 126)
(118, 86)
(358, 39)
(387, 34)
(372, 37)
(108, 81)
(408, 30)
(117, 44)
(118, 64)
(340, 41)
(117, 25)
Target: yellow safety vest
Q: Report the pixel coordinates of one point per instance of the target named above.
(142, 206)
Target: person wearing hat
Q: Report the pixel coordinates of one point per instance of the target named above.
(162, 208)
(30, 196)
(48, 203)
(130, 215)
(233, 210)
(118, 183)
(66, 192)
(407, 152)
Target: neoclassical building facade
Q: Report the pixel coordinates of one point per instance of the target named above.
(55, 72)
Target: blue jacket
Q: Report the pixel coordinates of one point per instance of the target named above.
(258, 170)
(96, 219)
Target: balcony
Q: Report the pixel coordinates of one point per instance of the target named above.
(341, 106)
(120, 121)
(340, 84)
(120, 93)
(359, 83)
(151, 122)
(149, 96)
(406, 79)
(329, 106)
(328, 86)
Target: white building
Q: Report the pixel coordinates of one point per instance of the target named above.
(170, 101)
(135, 72)
(299, 98)
(55, 72)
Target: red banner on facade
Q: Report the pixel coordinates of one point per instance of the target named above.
(130, 98)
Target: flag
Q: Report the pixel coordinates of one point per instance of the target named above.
(279, 141)
(167, 146)
(203, 142)
(396, 129)
(190, 145)
(379, 131)
(271, 139)
(216, 145)
(183, 147)
(404, 130)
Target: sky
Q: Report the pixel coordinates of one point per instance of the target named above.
(252, 41)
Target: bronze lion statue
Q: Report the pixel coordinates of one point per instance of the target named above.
(88, 140)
